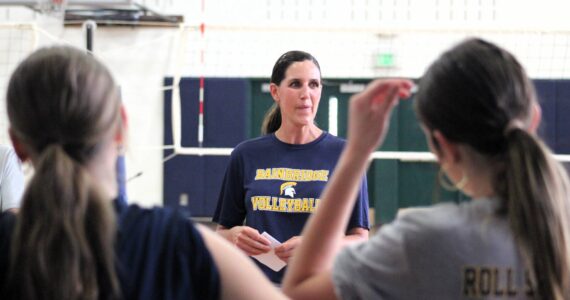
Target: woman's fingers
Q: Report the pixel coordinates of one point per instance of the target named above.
(251, 242)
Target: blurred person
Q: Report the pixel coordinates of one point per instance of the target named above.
(74, 238)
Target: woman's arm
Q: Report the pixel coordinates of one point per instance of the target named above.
(309, 274)
(240, 278)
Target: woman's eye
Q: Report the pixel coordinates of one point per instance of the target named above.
(314, 84)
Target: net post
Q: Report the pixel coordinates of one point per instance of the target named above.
(55, 8)
(89, 27)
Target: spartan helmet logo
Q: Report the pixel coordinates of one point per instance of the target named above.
(288, 189)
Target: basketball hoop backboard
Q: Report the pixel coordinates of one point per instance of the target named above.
(69, 2)
(58, 7)
(104, 12)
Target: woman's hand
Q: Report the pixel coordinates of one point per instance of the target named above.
(370, 110)
(286, 250)
(249, 240)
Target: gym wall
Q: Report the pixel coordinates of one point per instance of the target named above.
(234, 109)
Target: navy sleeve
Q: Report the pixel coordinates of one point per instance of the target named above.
(359, 217)
(162, 256)
(204, 274)
(7, 224)
(231, 210)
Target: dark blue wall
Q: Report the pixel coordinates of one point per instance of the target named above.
(226, 123)
(234, 109)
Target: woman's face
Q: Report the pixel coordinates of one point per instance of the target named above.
(299, 93)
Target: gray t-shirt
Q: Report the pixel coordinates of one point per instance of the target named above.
(11, 179)
(448, 251)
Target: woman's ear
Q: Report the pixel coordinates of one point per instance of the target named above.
(19, 147)
(446, 151)
(121, 132)
(535, 118)
(273, 89)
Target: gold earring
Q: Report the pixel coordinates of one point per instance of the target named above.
(447, 184)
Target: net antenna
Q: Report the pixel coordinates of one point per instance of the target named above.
(54, 8)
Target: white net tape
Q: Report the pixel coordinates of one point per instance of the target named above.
(403, 156)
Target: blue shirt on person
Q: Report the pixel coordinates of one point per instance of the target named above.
(273, 187)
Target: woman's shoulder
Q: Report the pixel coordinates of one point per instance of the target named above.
(155, 228)
(449, 213)
(447, 220)
(255, 144)
(333, 139)
(151, 219)
(154, 235)
(160, 247)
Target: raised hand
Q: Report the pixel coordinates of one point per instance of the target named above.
(370, 110)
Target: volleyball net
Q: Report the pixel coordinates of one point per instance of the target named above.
(370, 53)
(204, 51)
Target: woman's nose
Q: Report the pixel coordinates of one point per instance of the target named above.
(305, 92)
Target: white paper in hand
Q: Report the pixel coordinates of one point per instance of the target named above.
(270, 259)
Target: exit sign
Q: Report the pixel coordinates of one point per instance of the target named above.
(385, 60)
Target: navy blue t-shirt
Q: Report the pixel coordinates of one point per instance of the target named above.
(275, 186)
(159, 253)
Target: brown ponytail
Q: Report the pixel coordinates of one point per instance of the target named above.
(272, 120)
(535, 192)
(62, 246)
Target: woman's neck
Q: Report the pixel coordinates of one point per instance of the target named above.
(480, 171)
(102, 168)
(298, 135)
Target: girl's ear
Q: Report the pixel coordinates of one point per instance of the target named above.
(447, 152)
(536, 118)
(19, 147)
(120, 134)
